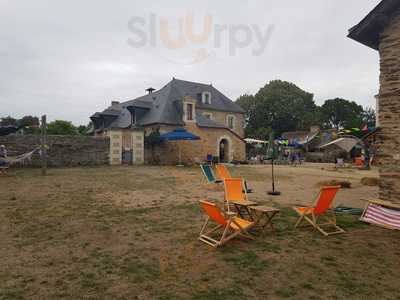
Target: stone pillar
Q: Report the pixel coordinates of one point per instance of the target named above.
(138, 147)
(389, 112)
(115, 147)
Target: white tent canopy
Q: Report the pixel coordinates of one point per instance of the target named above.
(255, 141)
(343, 143)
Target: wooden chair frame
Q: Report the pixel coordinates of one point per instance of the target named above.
(309, 216)
(241, 206)
(228, 232)
(205, 178)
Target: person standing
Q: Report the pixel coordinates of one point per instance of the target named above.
(3, 159)
(367, 155)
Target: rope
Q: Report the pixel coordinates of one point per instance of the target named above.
(19, 158)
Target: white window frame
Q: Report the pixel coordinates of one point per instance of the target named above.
(191, 105)
(186, 113)
(203, 98)
(233, 121)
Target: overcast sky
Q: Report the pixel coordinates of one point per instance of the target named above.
(69, 59)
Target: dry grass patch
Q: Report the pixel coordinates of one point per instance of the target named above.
(78, 234)
(370, 181)
(342, 183)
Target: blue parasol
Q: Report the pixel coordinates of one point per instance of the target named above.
(179, 134)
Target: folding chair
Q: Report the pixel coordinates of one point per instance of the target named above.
(236, 194)
(230, 225)
(321, 209)
(223, 173)
(208, 173)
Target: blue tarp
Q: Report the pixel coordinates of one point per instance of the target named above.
(179, 134)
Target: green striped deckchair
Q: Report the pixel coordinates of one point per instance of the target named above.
(209, 174)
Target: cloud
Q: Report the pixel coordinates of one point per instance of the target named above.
(69, 59)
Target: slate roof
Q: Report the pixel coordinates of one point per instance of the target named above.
(165, 106)
(368, 31)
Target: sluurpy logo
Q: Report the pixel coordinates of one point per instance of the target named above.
(193, 47)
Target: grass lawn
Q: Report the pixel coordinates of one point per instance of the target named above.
(131, 233)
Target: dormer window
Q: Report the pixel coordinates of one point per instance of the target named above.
(189, 112)
(133, 117)
(206, 98)
(189, 109)
(230, 120)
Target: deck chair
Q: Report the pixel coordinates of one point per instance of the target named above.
(223, 173)
(208, 173)
(322, 209)
(236, 195)
(230, 225)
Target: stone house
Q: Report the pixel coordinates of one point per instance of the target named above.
(199, 108)
(380, 30)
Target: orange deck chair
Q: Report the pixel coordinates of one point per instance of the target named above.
(230, 225)
(223, 173)
(236, 195)
(322, 209)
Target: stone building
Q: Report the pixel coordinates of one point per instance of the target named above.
(199, 108)
(380, 30)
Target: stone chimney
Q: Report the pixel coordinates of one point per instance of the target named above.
(150, 90)
(114, 104)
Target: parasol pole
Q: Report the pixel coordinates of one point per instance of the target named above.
(271, 150)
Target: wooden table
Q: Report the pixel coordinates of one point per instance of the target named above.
(243, 206)
(263, 215)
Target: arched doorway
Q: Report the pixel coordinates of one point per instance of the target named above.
(224, 150)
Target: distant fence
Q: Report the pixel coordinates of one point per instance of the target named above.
(64, 151)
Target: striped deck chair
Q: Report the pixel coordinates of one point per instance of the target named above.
(208, 173)
(223, 173)
(228, 224)
(321, 210)
(235, 194)
(382, 213)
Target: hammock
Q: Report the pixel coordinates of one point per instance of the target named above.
(11, 160)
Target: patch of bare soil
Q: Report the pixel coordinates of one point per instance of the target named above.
(370, 181)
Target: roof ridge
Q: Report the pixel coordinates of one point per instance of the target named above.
(188, 81)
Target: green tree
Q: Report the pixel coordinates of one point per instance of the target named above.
(8, 121)
(153, 140)
(60, 127)
(341, 113)
(279, 106)
(31, 124)
(369, 117)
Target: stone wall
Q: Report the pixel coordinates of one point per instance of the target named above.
(63, 150)
(388, 140)
(193, 151)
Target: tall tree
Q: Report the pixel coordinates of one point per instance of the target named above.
(60, 127)
(341, 113)
(247, 102)
(279, 106)
(369, 117)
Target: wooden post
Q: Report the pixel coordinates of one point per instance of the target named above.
(43, 147)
